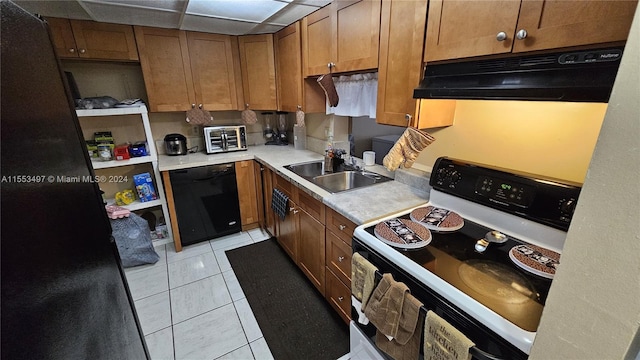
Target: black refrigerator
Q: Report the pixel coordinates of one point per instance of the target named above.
(64, 293)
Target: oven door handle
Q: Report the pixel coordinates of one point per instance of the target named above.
(482, 355)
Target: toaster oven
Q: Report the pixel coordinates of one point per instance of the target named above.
(219, 139)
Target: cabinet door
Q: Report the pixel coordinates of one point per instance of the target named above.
(247, 195)
(459, 29)
(267, 188)
(258, 71)
(316, 42)
(339, 296)
(215, 66)
(63, 39)
(288, 231)
(554, 24)
(164, 57)
(356, 34)
(311, 249)
(104, 41)
(401, 42)
(257, 174)
(338, 257)
(289, 67)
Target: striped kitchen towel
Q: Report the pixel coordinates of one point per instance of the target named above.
(279, 203)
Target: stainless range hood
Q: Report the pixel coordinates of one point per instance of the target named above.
(582, 76)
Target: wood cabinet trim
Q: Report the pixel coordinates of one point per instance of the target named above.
(336, 248)
(173, 218)
(288, 53)
(247, 194)
(339, 296)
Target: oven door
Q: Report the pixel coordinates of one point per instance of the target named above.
(489, 345)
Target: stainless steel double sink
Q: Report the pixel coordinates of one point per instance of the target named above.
(346, 178)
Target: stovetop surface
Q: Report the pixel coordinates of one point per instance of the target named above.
(489, 277)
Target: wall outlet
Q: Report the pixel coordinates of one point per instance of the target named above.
(196, 130)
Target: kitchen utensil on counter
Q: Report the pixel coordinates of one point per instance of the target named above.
(248, 116)
(175, 144)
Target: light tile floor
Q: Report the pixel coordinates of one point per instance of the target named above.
(191, 305)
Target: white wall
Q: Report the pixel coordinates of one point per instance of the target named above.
(593, 308)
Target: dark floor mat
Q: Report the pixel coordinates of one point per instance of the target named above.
(296, 321)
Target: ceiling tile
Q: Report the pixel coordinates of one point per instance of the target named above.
(318, 3)
(249, 10)
(265, 29)
(290, 14)
(218, 26)
(174, 5)
(133, 16)
(64, 9)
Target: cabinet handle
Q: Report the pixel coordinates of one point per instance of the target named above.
(408, 118)
(340, 298)
(342, 227)
(72, 50)
(295, 212)
(331, 65)
(502, 36)
(522, 34)
(82, 51)
(291, 209)
(193, 106)
(340, 258)
(199, 106)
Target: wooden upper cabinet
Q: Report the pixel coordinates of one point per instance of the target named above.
(164, 57)
(459, 29)
(258, 71)
(345, 33)
(400, 70)
(215, 67)
(184, 69)
(293, 89)
(555, 24)
(93, 40)
(317, 42)
(289, 68)
(356, 30)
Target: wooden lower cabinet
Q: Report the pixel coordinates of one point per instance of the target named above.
(267, 189)
(287, 232)
(338, 257)
(311, 253)
(339, 296)
(247, 194)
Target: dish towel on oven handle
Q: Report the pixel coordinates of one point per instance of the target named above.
(279, 203)
(385, 305)
(363, 275)
(406, 344)
(442, 341)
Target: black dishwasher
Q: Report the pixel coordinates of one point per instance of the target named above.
(206, 201)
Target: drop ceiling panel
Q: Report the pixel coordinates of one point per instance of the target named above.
(133, 15)
(265, 29)
(248, 10)
(63, 9)
(291, 14)
(233, 17)
(219, 26)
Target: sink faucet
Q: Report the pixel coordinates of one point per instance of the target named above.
(353, 163)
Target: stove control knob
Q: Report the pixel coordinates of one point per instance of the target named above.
(455, 176)
(481, 245)
(567, 207)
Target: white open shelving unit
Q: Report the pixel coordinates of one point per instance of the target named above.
(152, 158)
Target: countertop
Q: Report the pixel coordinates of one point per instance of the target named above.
(359, 205)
